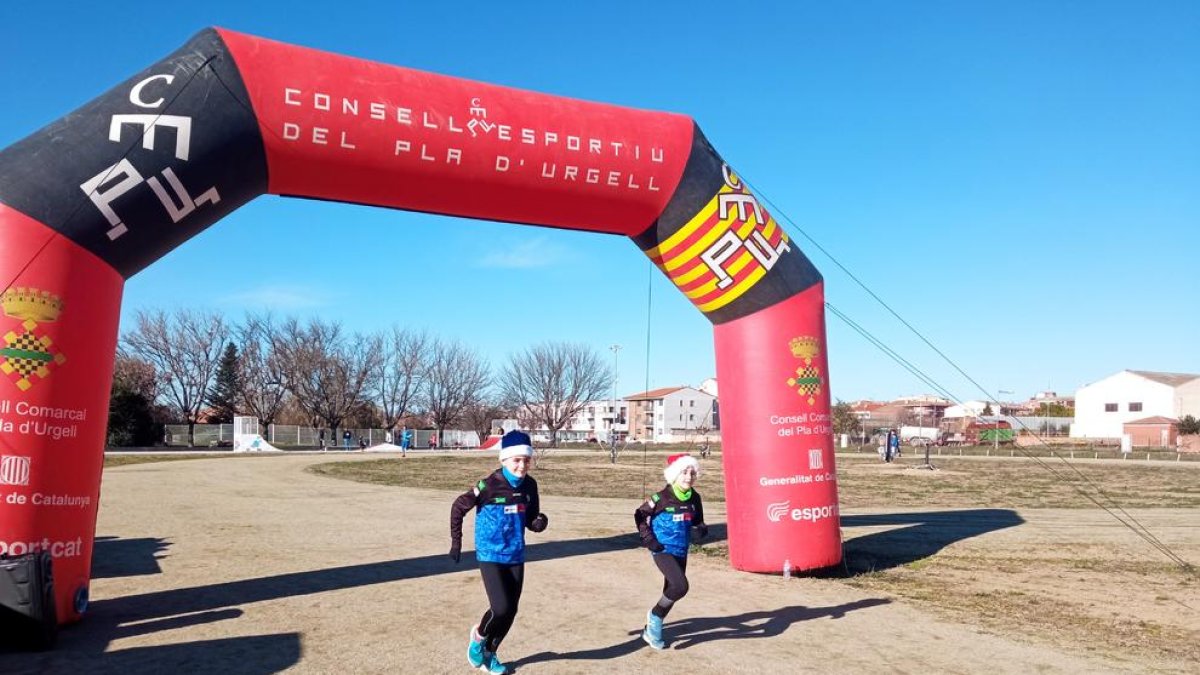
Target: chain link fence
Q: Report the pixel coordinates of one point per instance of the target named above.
(293, 436)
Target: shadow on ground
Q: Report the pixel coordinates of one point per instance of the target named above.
(698, 630)
(919, 535)
(115, 557)
(923, 534)
(79, 650)
(83, 645)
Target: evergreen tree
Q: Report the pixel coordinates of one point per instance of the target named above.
(131, 419)
(224, 397)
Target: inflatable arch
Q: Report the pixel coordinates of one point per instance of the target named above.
(98, 195)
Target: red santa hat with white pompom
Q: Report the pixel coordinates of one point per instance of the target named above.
(677, 463)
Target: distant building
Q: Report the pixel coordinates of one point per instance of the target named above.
(974, 409)
(600, 420)
(1153, 432)
(596, 420)
(865, 407)
(875, 415)
(924, 410)
(1103, 408)
(672, 415)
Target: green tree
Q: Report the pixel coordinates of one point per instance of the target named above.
(1054, 410)
(225, 396)
(133, 420)
(1189, 425)
(844, 419)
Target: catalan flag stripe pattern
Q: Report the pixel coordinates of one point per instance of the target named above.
(679, 256)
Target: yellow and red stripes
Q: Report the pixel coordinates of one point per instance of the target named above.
(679, 256)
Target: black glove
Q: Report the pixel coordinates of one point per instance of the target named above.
(654, 545)
(539, 524)
(456, 551)
(701, 531)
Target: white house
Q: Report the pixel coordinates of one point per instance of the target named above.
(599, 420)
(968, 409)
(1102, 408)
(595, 420)
(672, 415)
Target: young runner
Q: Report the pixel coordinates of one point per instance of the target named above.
(505, 503)
(665, 524)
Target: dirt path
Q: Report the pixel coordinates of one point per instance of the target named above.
(251, 565)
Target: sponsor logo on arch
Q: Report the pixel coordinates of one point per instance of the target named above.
(780, 511)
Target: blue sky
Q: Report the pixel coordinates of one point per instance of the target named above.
(1020, 181)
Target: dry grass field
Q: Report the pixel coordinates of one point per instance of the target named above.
(336, 564)
(1085, 581)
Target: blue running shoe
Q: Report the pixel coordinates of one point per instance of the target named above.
(493, 665)
(653, 632)
(475, 652)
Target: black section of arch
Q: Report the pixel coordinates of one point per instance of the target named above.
(700, 181)
(702, 178)
(41, 175)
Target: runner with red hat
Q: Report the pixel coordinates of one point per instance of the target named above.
(665, 523)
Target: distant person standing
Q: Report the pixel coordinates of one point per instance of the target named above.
(346, 438)
(893, 445)
(405, 440)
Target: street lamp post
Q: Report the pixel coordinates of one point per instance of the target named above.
(612, 430)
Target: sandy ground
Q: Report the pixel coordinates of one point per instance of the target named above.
(252, 565)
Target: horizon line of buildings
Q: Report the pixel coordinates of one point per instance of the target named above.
(1146, 405)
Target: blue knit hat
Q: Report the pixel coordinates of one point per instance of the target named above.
(515, 444)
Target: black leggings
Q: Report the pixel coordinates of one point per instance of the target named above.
(503, 584)
(675, 583)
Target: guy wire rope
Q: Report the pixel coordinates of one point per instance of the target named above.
(1124, 518)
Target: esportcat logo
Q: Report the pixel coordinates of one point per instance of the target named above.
(780, 510)
(57, 549)
(777, 511)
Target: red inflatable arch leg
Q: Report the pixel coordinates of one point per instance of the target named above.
(59, 337)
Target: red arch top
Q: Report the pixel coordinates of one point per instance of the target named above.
(229, 117)
(352, 130)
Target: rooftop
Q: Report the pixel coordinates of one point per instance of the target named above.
(653, 394)
(1169, 379)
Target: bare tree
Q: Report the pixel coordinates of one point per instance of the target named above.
(264, 375)
(456, 378)
(327, 371)
(479, 413)
(133, 374)
(184, 348)
(402, 364)
(527, 419)
(553, 381)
